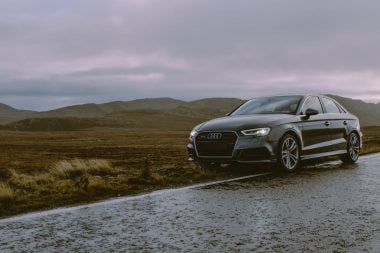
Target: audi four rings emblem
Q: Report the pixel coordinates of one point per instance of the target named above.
(214, 136)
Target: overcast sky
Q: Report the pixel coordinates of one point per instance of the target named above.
(60, 52)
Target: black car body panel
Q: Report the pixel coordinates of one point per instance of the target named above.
(318, 135)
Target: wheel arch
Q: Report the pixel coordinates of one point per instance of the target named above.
(354, 131)
(293, 132)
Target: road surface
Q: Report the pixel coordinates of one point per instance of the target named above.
(324, 208)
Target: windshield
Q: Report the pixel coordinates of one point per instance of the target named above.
(269, 105)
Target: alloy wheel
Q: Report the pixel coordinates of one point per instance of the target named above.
(354, 147)
(289, 153)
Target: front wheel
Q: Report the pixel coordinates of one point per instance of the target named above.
(289, 153)
(353, 149)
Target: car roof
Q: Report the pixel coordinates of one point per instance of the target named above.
(303, 95)
(291, 94)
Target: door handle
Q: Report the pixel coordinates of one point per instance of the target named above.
(327, 123)
(345, 123)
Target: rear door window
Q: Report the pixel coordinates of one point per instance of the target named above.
(341, 109)
(330, 106)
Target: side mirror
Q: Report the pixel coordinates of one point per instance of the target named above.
(310, 112)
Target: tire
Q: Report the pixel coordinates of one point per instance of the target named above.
(353, 149)
(288, 157)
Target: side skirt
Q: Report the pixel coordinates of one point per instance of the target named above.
(331, 153)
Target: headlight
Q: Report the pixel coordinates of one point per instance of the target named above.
(192, 134)
(256, 132)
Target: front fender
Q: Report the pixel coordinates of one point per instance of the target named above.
(279, 131)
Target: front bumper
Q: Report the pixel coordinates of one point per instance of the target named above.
(248, 149)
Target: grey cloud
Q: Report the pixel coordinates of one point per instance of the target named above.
(123, 71)
(76, 49)
(42, 88)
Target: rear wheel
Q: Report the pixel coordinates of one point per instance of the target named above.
(353, 149)
(289, 153)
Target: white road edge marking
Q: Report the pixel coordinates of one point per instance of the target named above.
(123, 199)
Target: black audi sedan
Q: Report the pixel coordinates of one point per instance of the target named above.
(280, 129)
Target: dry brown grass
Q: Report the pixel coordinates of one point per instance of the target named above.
(79, 167)
(82, 180)
(75, 173)
(6, 194)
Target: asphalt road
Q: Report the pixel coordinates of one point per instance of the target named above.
(323, 208)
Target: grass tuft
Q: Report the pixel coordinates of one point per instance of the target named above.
(77, 168)
(6, 193)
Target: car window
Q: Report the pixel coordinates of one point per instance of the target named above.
(269, 105)
(342, 110)
(330, 106)
(312, 103)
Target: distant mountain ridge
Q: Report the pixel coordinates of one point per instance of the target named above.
(196, 108)
(145, 113)
(98, 110)
(10, 114)
(368, 113)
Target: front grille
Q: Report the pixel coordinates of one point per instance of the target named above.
(222, 145)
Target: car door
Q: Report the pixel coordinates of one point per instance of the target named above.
(338, 125)
(315, 129)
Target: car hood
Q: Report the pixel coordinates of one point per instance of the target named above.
(243, 122)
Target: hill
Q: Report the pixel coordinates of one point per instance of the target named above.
(368, 113)
(199, 108)
(155, 113)
(98, 110)
(9, 114)
(138, 119)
